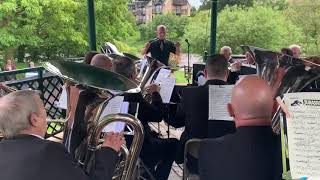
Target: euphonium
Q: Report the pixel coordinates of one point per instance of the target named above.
(285, 74)
(104, 83)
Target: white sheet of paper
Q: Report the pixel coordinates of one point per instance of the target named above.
(249, 65)
(166, 88)
(163, 73)
(63, 100)
(115, 105)
(303, 129)
(219, 97)
(143, 65)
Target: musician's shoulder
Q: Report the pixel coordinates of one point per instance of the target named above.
(169, 41)
(153, 40)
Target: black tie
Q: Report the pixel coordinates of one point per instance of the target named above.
(161, 45)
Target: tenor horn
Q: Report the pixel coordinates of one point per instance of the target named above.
(106, 84)
(284, 73)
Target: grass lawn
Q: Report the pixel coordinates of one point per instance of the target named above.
(180, 79)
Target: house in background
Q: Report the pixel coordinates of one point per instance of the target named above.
(145, 10)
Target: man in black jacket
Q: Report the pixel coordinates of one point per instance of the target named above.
(26, 155)
(193, 110)
(254, 151)
(157, 153)
(160, 48)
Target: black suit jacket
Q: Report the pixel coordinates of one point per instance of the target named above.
(192, 112)
(252, 153)
(27, 157)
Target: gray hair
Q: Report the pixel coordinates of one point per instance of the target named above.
(224, 48)
(15, 111)
(125, 66)
(162, 27)
(294, 46)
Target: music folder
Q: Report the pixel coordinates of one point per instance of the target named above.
(219, 97)
(303, 130)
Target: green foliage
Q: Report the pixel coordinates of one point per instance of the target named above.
(57, 28)
(206, 4)
(306, 14)
(259, 26)
(276, 4)
(175, 27)
(198, 32)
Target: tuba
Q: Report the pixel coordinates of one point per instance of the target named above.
(284, 73)
(106, 85)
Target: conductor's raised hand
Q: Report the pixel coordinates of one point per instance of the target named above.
(114, 140)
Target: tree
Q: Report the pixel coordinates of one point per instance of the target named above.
(17, 24)
(277, 4)
(175, 26)
(198, 32)
(53, 29)
(258, 26)
(306, 14)
(206, 4)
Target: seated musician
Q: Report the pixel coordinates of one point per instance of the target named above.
(87, 102)
(233, 76)
(192, 112)
(157, 153)
(254, 151)
(25, 154)
(241, 68)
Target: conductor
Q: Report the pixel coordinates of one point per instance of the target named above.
(160, 48)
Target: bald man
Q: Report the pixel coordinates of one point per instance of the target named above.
(253, 152)
(102, 61)
(160, 48)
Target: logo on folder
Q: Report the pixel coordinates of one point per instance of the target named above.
(296, 103)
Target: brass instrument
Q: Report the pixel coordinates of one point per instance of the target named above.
(149, 75)
(106, 84)
(285, 74)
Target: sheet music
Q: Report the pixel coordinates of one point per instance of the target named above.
(166, 88)
(63, 100)
(115, 105)
(163, 73)
(303, 127)
(219, 97)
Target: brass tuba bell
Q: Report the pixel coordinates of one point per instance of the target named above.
(106, 85)
(284, 73)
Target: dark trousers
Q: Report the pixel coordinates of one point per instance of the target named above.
(158, 155)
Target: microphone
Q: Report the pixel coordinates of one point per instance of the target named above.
(187, 42)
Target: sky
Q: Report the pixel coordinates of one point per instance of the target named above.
(195, 3)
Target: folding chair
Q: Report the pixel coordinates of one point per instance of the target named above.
(192, 149)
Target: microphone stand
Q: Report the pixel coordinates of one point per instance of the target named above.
(188, 63)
